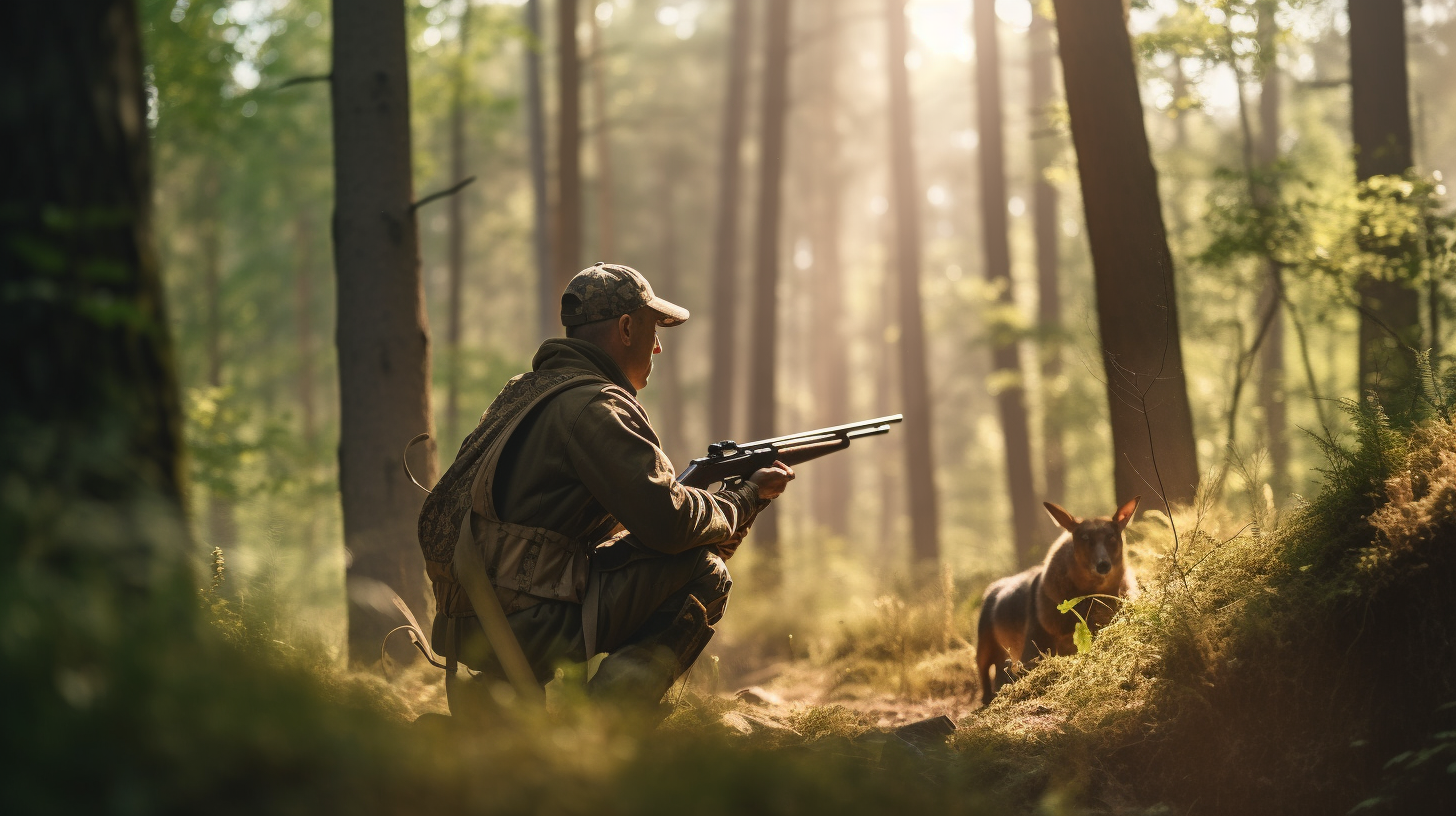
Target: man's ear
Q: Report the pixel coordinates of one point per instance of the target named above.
(624, 329)
(1124, 513)
(1065, 520)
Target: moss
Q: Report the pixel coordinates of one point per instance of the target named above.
(1270, 672)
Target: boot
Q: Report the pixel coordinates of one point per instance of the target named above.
(639, 673)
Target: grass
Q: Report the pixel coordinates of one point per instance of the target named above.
(1290, 666)
(1271, 672)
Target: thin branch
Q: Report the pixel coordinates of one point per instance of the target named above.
(1248, 131)
(304, 80)
(1242, 370)
(1308, 366)
(460, 185)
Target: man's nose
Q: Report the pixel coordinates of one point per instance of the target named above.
(656, 345)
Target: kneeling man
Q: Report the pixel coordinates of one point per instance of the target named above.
(590, 542)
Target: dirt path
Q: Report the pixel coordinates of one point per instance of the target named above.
(786, 687)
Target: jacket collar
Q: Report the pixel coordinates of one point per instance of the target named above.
(570, 352)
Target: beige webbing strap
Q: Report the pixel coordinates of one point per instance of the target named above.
(470, 569)
(589, 605)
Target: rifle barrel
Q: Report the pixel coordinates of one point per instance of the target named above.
(847, 429)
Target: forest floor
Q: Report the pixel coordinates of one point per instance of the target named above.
(771, 697)
(1249, 677)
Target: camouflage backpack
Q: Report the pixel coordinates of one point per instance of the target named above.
(445, 509)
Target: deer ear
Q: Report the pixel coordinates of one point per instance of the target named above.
(1124, 513)
(1065, 520)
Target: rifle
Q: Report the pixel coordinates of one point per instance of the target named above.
(730, 462)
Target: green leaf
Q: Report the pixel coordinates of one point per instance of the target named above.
(1082, 637)
(1066, 606)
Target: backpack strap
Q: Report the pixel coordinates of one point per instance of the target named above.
(481, 554)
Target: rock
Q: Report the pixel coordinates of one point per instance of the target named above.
(759, 696)
(926, 732)
(749, 723)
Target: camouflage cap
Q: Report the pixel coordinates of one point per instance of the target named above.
(604, 291)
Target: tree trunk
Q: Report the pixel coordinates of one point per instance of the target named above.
(1271, 354)
(1137, 311)
(721, 393)
(606, 224)
(568, 152)
(1044, 205)
(1005, 357)
(221, 526)
(211, 241)
(303, 306)
(89, 414)
(763, 343)
(548, 307)
(457, 231)
(914, 381)
(383, 339)
(1380, 118)
(668, 277)
(886, 333)
(829, 362)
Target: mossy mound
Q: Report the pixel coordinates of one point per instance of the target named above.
(1276, 671)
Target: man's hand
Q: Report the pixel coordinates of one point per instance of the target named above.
(771, 481)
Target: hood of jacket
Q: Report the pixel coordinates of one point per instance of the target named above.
(570, 352)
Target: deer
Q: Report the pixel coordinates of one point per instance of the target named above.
(1020, 620)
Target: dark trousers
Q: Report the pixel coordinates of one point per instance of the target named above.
(654, 616)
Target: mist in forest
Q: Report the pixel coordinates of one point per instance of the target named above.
(242, 146)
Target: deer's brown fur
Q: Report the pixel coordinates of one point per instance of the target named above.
(1019, 618)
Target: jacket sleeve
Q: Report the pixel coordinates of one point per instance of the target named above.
(617, 457)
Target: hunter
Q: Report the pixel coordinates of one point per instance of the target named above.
(591, 543)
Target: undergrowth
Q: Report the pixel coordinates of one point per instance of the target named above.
(1301, 665)
(1273, 671)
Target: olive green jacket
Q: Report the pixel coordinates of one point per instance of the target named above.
(588, 460)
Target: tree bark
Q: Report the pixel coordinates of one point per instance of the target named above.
(457, 231)
(721, 393)
(1137, 311)
(1005, 357)
(89, 415)
(668, 277)
(568, 152)
(303, 306)
(221, 525)
(1044, 206)
(828, 360)
(914, 381)
(1271, 354)
(548, 308)
(211, 241)
(383, 339)
(886, 332)
(763, 344)
(601, 140)
(1381, 121)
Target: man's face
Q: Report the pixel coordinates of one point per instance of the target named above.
(643, 343)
